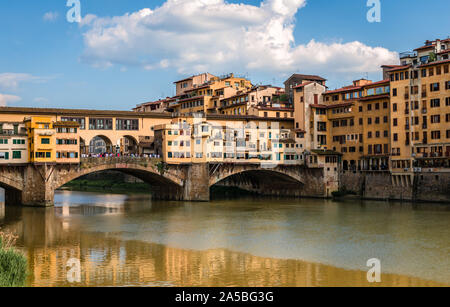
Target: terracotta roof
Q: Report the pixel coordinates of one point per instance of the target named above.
(306, 77)
(373, 97)
(377, 83)
(344, 89)
(275, 109)
(444, 51)
(425, 47)
(190, 78)
(332, 106)
(435, 63)
(401, 67)
(319, 106)
(304, 84)
(78, 112)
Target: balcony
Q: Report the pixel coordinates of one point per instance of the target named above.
(408, 54)
(424, 111)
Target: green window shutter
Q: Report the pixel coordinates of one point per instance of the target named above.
(6, 155)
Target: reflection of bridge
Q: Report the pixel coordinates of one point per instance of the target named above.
(34, 185)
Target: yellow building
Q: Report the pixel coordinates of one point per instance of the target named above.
(41, 139)
(67, 142)
(204, 98)
(420, 108)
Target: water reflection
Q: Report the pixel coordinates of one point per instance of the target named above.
(132, 241)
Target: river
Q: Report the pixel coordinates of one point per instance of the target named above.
(122, 240)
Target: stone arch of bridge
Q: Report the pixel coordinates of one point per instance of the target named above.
(7, 182)
(268, 176)
(169, 183)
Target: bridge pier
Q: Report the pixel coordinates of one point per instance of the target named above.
(38, 189)
(196, 185)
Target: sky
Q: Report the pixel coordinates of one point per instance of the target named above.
(123, 53)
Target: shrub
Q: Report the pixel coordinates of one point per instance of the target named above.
(13, 264)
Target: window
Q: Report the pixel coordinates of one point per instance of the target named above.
(394, 107)
(4, 155)
(395, 137)
(435, 103)
(434, 87)
(100, 124)
(435, 119)
(127, 124)
(45, 141)
(17, 155)
(447, 85)
(394, 92)
(431, 71)
(435, 135)
(79, 120)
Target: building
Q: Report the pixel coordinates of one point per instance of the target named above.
(297, 79)
(258, 96)
(420, 111)
(13, 143)
(197, 140)
(206, 98)
(182, 86)
(159, 106)
(67, 142)
(41, 139)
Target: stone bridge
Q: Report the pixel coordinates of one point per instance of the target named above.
(35, 185)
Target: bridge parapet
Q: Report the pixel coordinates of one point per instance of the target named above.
(144, 162)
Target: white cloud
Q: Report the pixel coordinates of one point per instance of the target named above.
(213, 35)
(50, 16)
(5, 99)
(11, 81)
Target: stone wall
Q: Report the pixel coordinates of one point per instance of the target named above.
(432, 187)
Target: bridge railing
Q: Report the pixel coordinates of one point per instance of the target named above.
(114, 160)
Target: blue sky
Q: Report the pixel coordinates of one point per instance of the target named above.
(117, 63)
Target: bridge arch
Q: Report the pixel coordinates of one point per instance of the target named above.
(166, 185)
(254, 177)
